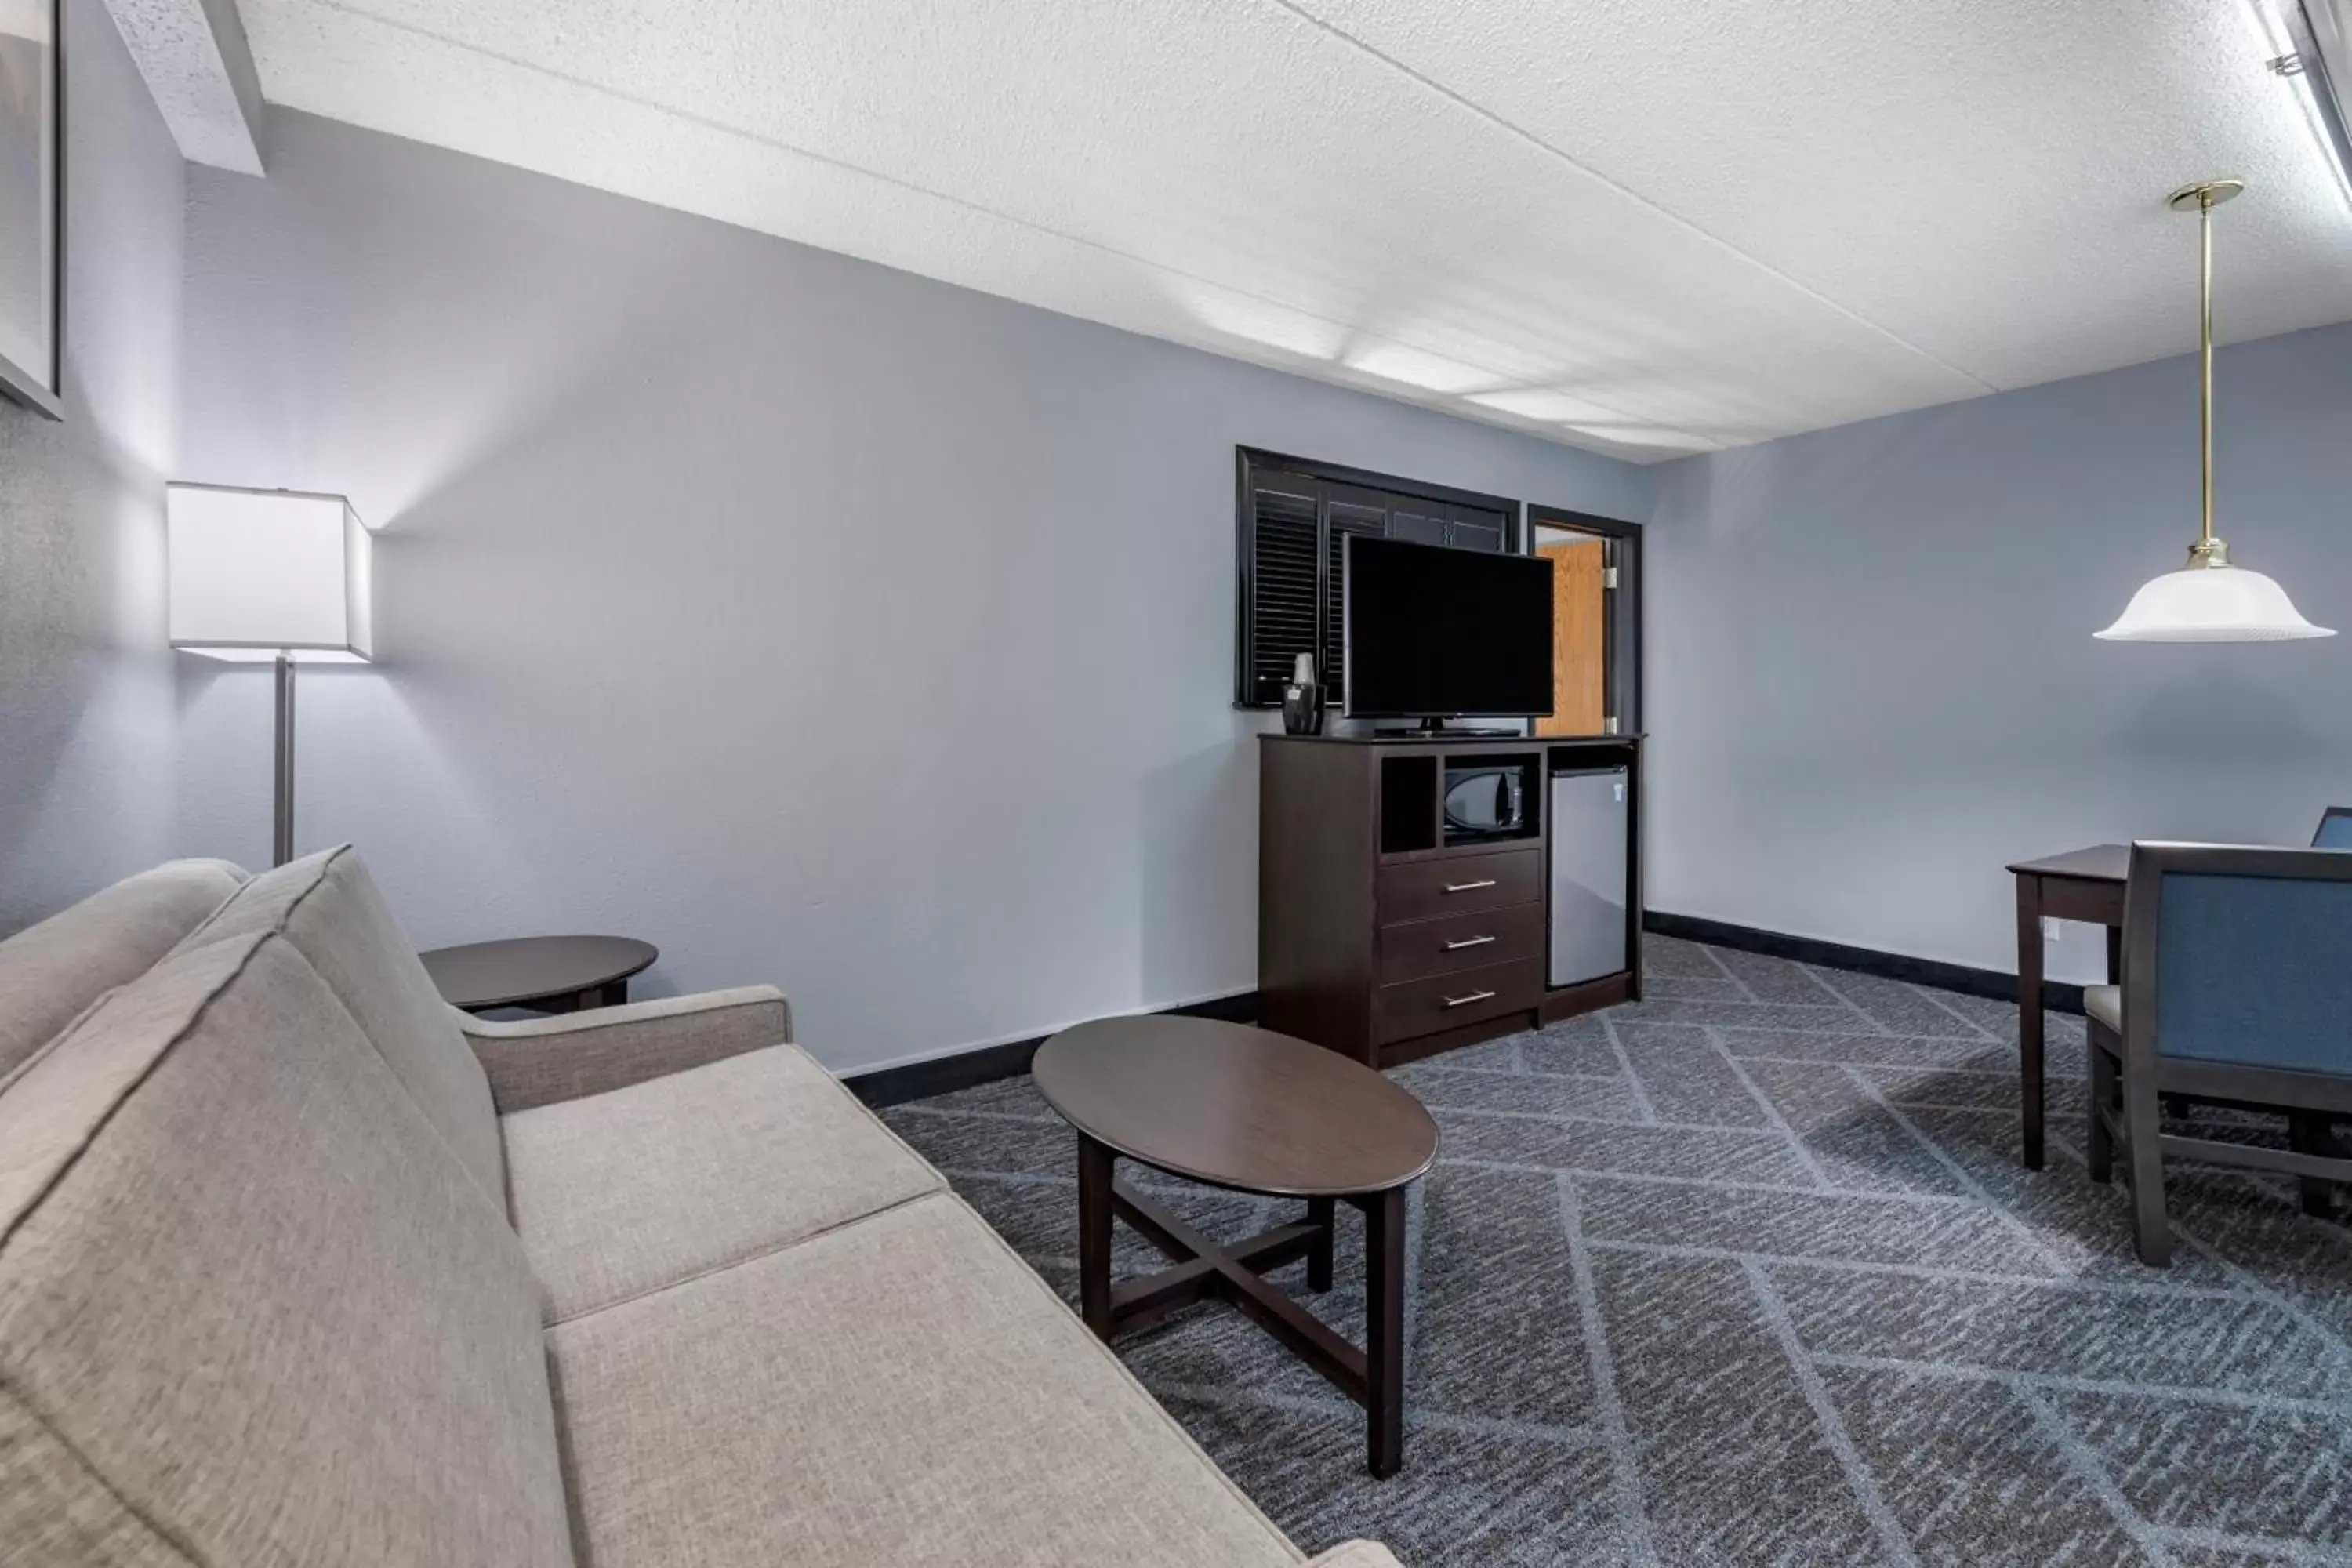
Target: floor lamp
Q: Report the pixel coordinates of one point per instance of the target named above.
(273, 577)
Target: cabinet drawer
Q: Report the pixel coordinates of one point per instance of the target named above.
(1471, 940)
(1446, 1001)
(1425, 889)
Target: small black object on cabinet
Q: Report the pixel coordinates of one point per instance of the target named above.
(1302, 700)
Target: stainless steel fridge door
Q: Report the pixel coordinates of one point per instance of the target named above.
(1587, 875)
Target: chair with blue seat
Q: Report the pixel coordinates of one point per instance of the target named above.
(2237, 988)
(2334, 830)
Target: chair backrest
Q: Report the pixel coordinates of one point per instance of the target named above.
(2334, 830)
(2240, 955)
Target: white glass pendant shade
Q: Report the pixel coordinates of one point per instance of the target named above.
(2211, 604)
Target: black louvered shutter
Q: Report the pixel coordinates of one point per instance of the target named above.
(1474, 527)
(1282, 593)
(1293, 526)
(1345, 518)
(1418, 522)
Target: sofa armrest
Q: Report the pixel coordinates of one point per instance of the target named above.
(1355, 1555)
(603, 1048)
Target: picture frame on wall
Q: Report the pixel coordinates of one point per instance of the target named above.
(32, 202)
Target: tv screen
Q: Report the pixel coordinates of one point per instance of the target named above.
(1433, 632)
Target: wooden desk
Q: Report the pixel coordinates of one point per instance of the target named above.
(2084, 885)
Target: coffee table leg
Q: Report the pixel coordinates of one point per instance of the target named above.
(1095, 1162)
(1384, 1329)
(1321, 1212)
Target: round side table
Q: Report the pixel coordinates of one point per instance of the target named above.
(544, 974)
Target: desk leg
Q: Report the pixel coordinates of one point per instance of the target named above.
(2029, 1013)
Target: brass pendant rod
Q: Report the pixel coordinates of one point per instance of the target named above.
(2205, 351)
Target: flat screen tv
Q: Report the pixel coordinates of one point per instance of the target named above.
(1438, 633)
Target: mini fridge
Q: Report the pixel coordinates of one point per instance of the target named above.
(1588, 866)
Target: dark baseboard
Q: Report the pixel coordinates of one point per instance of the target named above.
(2056, 995)
(986, 1064)
(968, 1069)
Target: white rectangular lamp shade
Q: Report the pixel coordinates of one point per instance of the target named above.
(255, 573)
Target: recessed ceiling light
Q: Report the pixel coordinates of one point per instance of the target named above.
(1412, 367)
(1553, 408)
(1230, 314)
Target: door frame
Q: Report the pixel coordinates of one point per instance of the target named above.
(1621, 656)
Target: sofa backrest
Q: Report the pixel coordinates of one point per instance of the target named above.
(252, 1309)
(51, 972)
(328, 906)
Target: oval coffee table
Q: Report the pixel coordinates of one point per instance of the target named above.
(1256, 1112)
(545, 973)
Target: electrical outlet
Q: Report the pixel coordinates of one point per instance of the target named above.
(2049, 929)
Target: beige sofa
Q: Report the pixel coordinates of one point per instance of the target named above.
(300, 1265)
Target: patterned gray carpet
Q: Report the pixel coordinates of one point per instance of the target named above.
(1749, 1273)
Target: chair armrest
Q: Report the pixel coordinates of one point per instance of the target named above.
(603, 1049)
(1355, 1555)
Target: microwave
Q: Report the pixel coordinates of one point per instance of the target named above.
(1485, 800)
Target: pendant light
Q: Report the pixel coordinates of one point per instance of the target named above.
(2209, 600)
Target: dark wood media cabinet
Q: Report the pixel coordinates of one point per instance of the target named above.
(1387, 936)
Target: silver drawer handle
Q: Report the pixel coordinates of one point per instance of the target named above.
(1468, 942)
(1466, 1001)
(1468, 887)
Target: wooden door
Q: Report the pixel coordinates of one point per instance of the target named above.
(1579, 637)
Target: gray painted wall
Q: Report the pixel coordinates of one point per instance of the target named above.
(86, 691)
(824, 625)
(1871, 677)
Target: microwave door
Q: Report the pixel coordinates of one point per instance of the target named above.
(1473, 802)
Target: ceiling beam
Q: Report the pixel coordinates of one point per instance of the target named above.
(200, 71)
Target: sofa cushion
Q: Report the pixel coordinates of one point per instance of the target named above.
(2105, 1004)
(49, 973)
(327, 906)
(55, 1513)
(618, 1193)
(898, 1390)
(249, 1304)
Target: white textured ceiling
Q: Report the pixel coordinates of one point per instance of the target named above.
(1647, 230)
